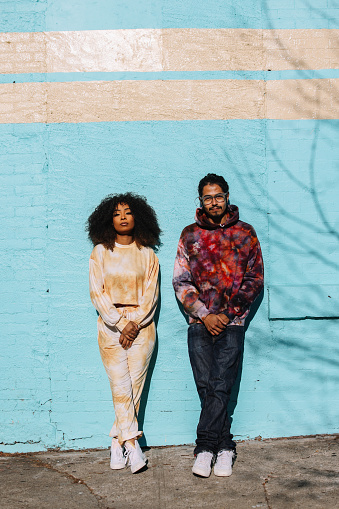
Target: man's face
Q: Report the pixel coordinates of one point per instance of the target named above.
(215, 208)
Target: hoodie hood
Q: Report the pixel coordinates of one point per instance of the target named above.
(202, 220)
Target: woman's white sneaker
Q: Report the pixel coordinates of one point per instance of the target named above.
(223, 464)
(203, 464)
(135, 457)
(118, 459)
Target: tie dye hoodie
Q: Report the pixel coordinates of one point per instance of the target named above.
(218, 268)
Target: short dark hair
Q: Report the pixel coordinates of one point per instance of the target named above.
(212, 178)
(100, 223)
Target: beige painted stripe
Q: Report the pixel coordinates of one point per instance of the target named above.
(249, 49)
(134, 100)
(302, 99)
(22, 52)
(168, 100)
(301, 49)
(150, 50)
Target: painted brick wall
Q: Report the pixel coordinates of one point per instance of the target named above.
(25, 377)
(37, 15)
(282, 175)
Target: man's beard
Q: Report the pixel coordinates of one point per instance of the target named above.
(217, 215)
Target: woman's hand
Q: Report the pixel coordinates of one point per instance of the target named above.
(128, 335)
(124, 342)
(130, 331)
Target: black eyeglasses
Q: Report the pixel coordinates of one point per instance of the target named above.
(208, 199)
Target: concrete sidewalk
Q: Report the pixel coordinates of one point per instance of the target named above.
(274, 474)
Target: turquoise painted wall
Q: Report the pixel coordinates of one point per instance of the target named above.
(283, 177)
(38, 15)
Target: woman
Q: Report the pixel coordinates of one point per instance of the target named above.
(123, 274)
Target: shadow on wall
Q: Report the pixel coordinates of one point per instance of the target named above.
(302, 275)
(310, 99)
(303, 239)
(308, 106)
(302, 166)
(145, 392)
(236, 387)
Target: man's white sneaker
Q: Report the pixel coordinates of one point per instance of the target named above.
(224, 463)
(118, 459)
(135, 457)
(203, 464)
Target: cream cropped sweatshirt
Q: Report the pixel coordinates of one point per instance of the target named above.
(126, 276)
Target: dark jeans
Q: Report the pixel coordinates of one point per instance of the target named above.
(215, 362)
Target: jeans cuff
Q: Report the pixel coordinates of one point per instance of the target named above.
(198, 450)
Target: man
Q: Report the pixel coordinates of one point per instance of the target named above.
(218, 274)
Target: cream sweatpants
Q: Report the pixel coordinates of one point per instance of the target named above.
(126, 370)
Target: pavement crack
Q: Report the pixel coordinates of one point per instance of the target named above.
(266, 490)
(76, 480)
(159, 475)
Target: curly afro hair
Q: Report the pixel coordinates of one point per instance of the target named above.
(146, 228)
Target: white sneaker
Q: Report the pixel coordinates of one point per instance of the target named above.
(223, 464)
(203, 464)
(118, 459)
(135, 457)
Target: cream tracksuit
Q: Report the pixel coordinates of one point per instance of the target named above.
(124, 288)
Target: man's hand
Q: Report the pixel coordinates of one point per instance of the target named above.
(215, 323)
(225, 320)
(130, 331)
(124, 342)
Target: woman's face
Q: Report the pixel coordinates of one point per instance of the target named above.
(123, 220)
